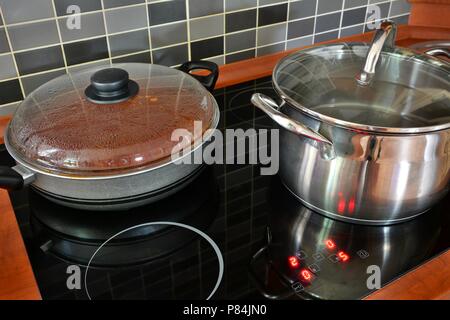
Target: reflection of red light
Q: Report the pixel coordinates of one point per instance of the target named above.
(341, 205)
(351, 205)
(330, 244)
(293, 262)
(305, 274)
(343, 256)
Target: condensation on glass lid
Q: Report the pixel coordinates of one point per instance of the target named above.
(56, 127)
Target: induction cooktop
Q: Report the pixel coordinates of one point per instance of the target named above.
(231, 234)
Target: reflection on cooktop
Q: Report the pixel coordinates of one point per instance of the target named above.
(242, 212)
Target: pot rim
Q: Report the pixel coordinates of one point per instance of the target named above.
(97, 175)
(400, 52)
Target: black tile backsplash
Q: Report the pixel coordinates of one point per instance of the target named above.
(328, 22)
(164, 12)
(300, 28)
(120, 3)
(84, 51)
(167, 32)
(171, 56)
(199, 8)
(10, 91)
(4, 45)
(207, 48)
(273, 14)
(243, 55)
(129, 42)
(352, 17)
(327, 36)
(39, 60)
(85, 6)
(240, 20)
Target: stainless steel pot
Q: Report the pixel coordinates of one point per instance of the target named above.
(101, 139)
(372, 150)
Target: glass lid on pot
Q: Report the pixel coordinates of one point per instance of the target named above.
(409, 92)
(110, 120)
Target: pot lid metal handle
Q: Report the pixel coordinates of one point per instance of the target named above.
(383, 40)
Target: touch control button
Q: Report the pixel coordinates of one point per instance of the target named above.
(314, 268)
(318, 256)
(334, 258)
(363, 254)
(301, 255)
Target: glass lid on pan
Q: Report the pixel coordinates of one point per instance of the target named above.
(409, 92)
(109, 121)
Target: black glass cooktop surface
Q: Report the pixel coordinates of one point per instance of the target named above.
(232, 233)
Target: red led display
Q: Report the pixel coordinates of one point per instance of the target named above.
(293, 262)
(343, 256)
(330, 244)
(306, 275)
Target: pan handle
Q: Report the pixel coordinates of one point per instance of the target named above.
(15, 178)
(435, 52)
(268, 106)
(208, 81)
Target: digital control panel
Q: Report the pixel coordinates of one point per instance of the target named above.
(304, 269)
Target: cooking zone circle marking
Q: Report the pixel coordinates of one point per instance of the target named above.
(167, 223)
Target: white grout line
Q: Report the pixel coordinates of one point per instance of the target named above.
(188, 30)
(389, 12)
(149, 33)
(342, 18)
(60, 38)
(44, 72)
(224, 31)
(10, 104)
(365, 17)
(106, 32)
(129, 54)
(13, 56)
(257, 23)
(315, 21)
(287, 25)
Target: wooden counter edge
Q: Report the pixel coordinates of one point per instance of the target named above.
(17, 280)
(16, 277)
(429, 281)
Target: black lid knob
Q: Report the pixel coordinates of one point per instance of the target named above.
(111, 85)
(111, 79)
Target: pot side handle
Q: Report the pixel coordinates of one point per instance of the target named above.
(436, 52)
(268, 106)
(15, 178)
(208, 81)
